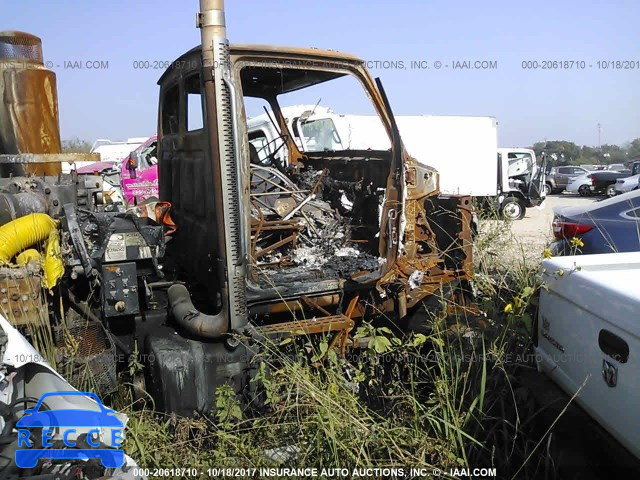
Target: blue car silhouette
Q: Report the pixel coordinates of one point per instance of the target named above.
(63, 419)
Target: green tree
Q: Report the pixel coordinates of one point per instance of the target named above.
(75, 145)
(614, 154)
(589, 155)
(569, 153)
(538, 147)
(633, 151)
(564, 152)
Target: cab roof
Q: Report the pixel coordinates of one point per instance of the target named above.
(277, 52)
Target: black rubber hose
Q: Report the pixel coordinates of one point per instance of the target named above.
(191, 319)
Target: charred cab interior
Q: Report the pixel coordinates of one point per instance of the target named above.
(315, 216)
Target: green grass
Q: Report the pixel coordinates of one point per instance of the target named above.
(449, 397)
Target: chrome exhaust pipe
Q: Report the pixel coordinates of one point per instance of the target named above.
(220, 106)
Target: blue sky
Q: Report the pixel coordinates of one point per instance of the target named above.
(530, 105)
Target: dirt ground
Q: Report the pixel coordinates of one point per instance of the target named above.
(505, 243)
(534, 230)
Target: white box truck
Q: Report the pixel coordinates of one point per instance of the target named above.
(464, 150)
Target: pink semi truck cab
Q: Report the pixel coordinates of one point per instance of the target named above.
(139, 172)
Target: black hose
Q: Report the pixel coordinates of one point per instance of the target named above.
(191, 319)
(8, 412)
(27, 399)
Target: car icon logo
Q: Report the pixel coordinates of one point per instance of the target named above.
(43, 424)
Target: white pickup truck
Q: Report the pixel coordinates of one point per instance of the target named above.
(588, 332)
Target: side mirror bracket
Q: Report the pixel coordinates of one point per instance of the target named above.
(132, 164)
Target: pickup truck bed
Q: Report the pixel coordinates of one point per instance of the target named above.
(588, 330)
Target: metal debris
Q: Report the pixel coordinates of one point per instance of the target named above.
(294, 226)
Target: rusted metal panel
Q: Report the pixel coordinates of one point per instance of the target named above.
(28, 105)
(46, 158)
(22, 300)
(341, 325)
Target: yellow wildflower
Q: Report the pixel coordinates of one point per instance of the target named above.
(517, 302)
(577, 242)
(547, 253)
(508, 308)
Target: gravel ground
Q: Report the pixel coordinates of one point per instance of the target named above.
(504, 243)
(534, 230)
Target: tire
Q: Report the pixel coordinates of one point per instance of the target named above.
(584, 190)
(547, 189)
(512, 209)
(611, 191)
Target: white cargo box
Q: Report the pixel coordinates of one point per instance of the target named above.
(464, 149)
(589, 330)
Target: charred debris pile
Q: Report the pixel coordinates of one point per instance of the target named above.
(309, 221)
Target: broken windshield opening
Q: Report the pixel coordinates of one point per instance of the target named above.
(319, 135)
(520, 163)
(317, 182)
(335, 115)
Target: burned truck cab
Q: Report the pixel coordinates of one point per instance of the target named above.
(275, 220)
(268, 234)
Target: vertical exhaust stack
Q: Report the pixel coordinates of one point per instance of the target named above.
(28, 104)
(223, 144)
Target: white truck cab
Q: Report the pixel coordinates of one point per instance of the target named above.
(523, 184)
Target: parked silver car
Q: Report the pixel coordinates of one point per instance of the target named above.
(632, 182)
(558, 177)
(580, 184)
(624, 185)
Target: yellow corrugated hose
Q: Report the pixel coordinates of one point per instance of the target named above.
(23, 232)
(28, 256)
(53, 266)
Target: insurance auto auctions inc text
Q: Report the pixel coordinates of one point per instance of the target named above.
(365, 473)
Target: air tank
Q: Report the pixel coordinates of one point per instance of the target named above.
(28, 105)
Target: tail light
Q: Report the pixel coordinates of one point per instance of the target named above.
(593, 179)
(562, 229)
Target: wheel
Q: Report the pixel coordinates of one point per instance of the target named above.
(512, 209)
(547, 189)
(611, 191)
(584, 190)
